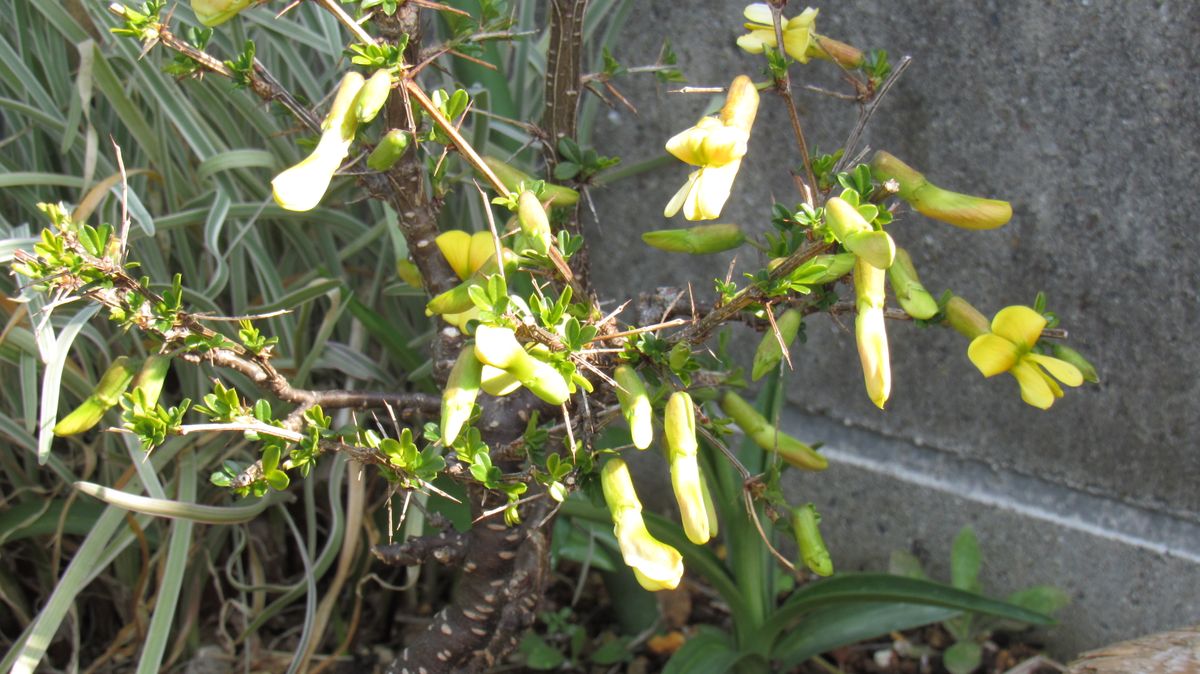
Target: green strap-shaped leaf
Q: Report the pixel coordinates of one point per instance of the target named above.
(833, 626)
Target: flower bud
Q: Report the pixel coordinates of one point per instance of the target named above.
(104, 396)
(769, 351)
(961, 210)
(512, 178)
(373, 95)
(871, 333)
(389, 150)
(916, 301)
(829, 49)
(965, 318)
(458, 399)
(808, 538)
(216, 12)
(856, 234)
(499, 348)
(741, 104)
(408, 272)
(698, 240)
(151, 377)
(769, 438)
(635, 405)
(656, 565)
(497, 382)
(301, 187)
(458, 299)
(534, 223)
(679, 422)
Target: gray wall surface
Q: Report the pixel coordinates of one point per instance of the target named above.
(1084, 116)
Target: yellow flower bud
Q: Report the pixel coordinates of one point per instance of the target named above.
(856, 234)
(458, 399)
(499, 348)
(871, 333)
(301, 187)
(373, 95)
(679, 422)
(656, 565)
(104, 396)
(635, 405)
(534, 223)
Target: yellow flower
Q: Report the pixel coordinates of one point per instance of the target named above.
(301, 187)
(1009, 348)
(797, 32)
(656, 565)
(716, 145)
(870, 332)
(679, 424)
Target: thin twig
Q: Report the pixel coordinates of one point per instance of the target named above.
(783, 84)
(865, 113)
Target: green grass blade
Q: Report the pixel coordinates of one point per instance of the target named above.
(56, 359)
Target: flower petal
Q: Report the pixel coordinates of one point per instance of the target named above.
(873, 353)
(1034, 388)
(795, 43)
(757, 41)
(1058, 368)
(681, 196)
(992, 354)
(759, 12)
(687, 146)
(657, 565)
(1019, 324)
(712, 191)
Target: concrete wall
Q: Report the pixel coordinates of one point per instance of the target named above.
(1084, 116)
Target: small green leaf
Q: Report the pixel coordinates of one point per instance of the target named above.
(540, 655)
(278, 480)
(965, 561)
(963, 657)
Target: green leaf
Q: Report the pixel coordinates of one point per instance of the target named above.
(906, 564)
(612, 652)
(540, 655)
(1041, 598)
(965, 561)
(834, 626)
(709, 652)
(880, 587)
(963, 657)
(278, 480)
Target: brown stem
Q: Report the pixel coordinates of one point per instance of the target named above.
(783, 84)
(446, 548)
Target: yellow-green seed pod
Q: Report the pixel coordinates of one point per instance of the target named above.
(216, 12)
(151, 377)
(107, 393)
(635, 405)
(913, 298)
(769, 351)
(698, 240)
(534, 223)
(960, 210)
(459, 397)
(766, 436)
(808, 538)
(499, 348)
(966, 319)
(512, 178)
(373, 95)
(389, 150)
